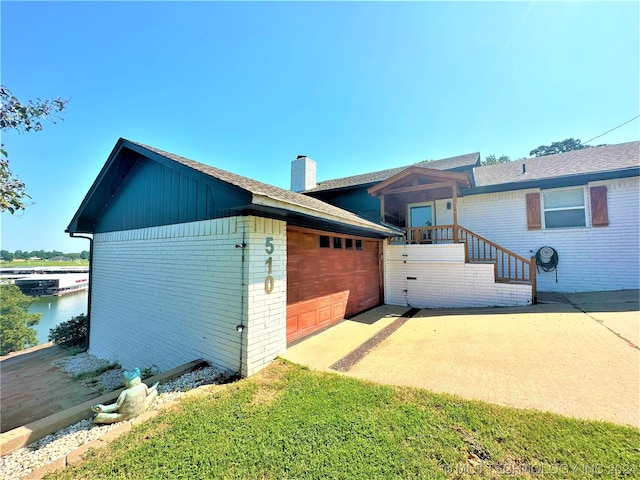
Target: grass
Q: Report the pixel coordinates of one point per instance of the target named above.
(92, 378)
(45, 263)
(75, 350)
(91, 375)
(290, 422)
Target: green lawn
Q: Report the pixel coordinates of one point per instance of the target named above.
(45, 263)
(290, 422)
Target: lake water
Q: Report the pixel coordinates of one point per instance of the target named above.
(56, 310)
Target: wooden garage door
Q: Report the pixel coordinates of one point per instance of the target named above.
(329, 277)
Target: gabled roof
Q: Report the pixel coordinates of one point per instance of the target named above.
(609, 158)
(453, 163)
(264, 197)
(431, 175)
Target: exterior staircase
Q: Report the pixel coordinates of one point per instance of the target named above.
(509, 267)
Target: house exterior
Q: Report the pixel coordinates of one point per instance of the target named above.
(584, 204)
(190, 261)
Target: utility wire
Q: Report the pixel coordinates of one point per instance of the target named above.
(613, 129)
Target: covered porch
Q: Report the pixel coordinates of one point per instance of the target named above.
(408, 200)
(424, 203)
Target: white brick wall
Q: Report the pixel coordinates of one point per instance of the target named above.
(266, 312)
(303, 174)
(591, 258)
(435, 276)
(168, 295)
(442, 253)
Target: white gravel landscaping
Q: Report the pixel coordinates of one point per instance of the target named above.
(24, 460)
(83, 363)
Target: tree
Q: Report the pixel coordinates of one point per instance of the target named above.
(15, 115)
(492, 159)
(558, 147)
(16, 322)
(13, 190)
(6, 255)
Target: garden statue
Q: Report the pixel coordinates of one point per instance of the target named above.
(134, 400)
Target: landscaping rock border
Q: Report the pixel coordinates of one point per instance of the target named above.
(53, 451)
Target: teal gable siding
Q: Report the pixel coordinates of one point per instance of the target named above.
(140, 187)
(155, 194)
(356, 200)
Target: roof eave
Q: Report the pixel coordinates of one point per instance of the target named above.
(366, 185)
(362, 224)
(460, 168)
(554, 182)
(73, 225)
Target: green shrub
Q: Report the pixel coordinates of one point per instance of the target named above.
(150, 371)
(72, 333)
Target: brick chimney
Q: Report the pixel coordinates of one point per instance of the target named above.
(303, 174)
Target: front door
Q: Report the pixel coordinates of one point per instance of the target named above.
(421, 215)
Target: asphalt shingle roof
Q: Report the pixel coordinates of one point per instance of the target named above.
(320, 208)
(468, 160)
(589, 160)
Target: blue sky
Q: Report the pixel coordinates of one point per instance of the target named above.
(357, 87)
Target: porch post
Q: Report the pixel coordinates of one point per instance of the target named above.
(454, 194)
(382, 208)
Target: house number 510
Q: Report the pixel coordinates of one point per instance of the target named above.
(268, 283)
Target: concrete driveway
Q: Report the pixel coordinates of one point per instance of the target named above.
(578, 355)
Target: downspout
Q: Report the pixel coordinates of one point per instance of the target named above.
(72, 235)
(241, 326)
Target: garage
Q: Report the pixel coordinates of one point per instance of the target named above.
(329, 277)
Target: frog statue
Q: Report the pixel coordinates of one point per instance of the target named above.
(134, 400)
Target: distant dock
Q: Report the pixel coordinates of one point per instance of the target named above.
(45, 270)
(37, 281)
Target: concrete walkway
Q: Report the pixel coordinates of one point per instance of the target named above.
(579, 357)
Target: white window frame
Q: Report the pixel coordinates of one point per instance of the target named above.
(582, 207)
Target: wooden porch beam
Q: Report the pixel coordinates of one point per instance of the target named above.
(454, 195)
(438, 175)
(416, 188)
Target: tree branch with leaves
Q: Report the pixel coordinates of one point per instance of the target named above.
(566, 145)
(21, 117)
(493, 160)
